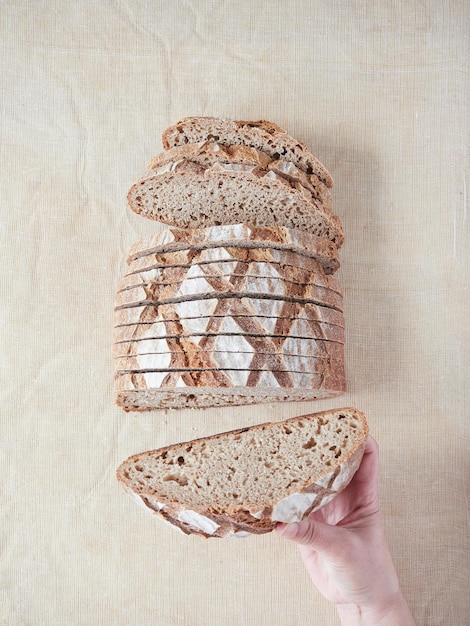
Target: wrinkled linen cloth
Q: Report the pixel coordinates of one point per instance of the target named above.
(379, 92)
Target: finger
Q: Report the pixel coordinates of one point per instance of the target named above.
(312, 533)
(367, 476)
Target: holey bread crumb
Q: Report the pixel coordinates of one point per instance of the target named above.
(246, 480)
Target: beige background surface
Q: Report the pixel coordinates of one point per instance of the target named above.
(379, 91)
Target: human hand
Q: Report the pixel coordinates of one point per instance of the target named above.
(346, 554)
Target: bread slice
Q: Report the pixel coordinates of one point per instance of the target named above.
(216, 310)
(164, 337)
(238, 235)
(207, 287)
(164, 276)
(327, 380)
(182, 397)
(189, 389)
(247, 480)
(239, 158)
(228, 328)
(221, 360)
(262, 135)
(199, 197)
(228, 257)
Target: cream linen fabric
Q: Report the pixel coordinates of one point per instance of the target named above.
(379, 91)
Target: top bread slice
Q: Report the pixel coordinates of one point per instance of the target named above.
(262, 135)
(249, 479)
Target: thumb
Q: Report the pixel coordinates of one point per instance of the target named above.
(314, 534)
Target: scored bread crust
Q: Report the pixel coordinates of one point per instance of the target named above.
(260, 134)
(164, 276)
(255, 273)
(212, 520)
(229, 312)
(202, 288)
(211, 196)
(258, 242)
(329, 376)
(165, 338)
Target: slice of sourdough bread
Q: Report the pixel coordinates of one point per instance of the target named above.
(226, 257)
(219, 312)
(262, 135)
(181, 397)
(209, 153)
(164, 276)
(247, 480)
(185, 358)
(327, 379)
(191, 195)
(207, 287)
(239, 236)
(166, 338)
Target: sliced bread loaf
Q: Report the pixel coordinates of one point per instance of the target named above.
(247, 480)
(263, 135)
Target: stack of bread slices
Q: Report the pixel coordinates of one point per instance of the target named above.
(236, 301)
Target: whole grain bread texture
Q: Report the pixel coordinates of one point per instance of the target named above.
(245, 481)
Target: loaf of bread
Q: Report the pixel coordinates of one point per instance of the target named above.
(236, 301)
(245, 481)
